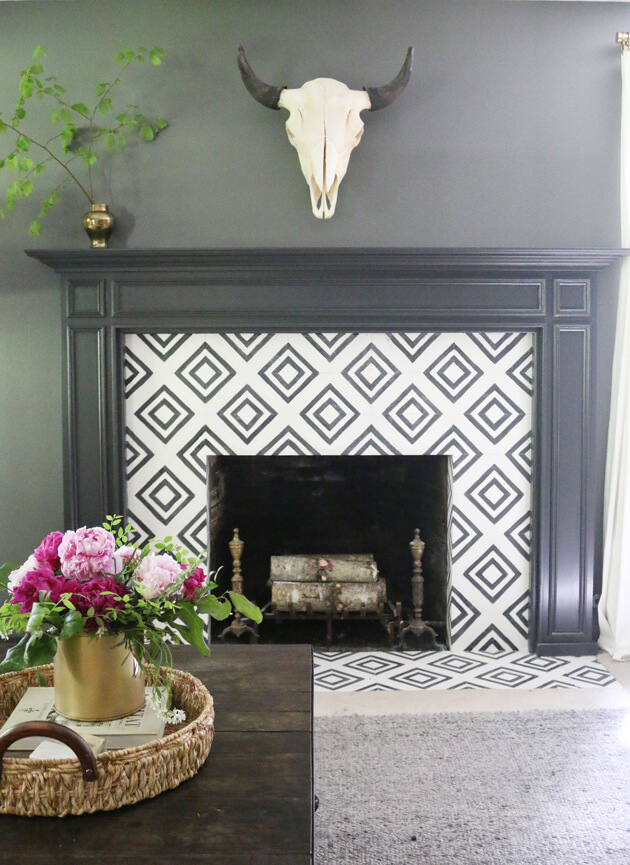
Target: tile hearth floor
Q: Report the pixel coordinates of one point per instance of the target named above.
(391, 682)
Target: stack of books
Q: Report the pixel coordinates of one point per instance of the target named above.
(37, 704)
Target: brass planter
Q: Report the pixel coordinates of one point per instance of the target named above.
(96, 679)
(99, 224)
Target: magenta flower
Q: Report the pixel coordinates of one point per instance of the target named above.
(154, 574)
(86, 596)
(87, 554)
(41, 578)
(192, 583)
(48, 550)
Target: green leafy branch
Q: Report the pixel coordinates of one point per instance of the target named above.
(80, 132)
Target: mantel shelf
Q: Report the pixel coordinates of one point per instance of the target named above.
(338, 261)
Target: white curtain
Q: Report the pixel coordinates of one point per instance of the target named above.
(614, 605)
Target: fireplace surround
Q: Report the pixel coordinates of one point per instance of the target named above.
(552, 297)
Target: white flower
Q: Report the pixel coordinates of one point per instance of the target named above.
(16, 576)
(121, 558)
(172, 716)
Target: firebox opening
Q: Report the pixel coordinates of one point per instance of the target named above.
(297, 505)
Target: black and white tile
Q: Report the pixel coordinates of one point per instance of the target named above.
(466, 395)
(453, 671)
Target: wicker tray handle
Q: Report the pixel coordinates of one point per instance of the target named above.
(51, 730)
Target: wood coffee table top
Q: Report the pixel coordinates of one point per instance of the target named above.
(250, 804)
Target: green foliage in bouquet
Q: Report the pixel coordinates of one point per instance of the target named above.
(79, 130)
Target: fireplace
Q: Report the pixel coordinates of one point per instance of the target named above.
(508, 357)
(329, 505)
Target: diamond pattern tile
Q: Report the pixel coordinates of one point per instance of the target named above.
(329, 414)
(288, 373)
(204, 443)
(371, 373)
(288, 443)
(194, 536)
(246, 414)
(136, 373)
(370, 443)
(495, 414)
(517, 614)
(521, 456)
(163, 345)
(496, 345)
(453, 373)
(246, 345)
(455, 444)
(164, 414)
(413, 345)
(492, 574)
(164, 495)
(494, 494)
(411, 414)
(330, 345)
(464, 534)
(137, 454)
(467, 395)
(453, 671)
(205, 373)
(522, 372)
(520, 534)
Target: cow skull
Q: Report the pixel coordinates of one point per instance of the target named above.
(324, 124)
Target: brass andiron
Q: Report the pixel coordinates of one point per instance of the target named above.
(417, 626)
(237, 625)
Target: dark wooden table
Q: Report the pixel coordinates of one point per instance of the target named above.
(250, 804)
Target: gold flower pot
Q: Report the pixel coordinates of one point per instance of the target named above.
(97, 678)
(99, 224)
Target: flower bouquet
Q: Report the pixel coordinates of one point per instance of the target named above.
(94, 581)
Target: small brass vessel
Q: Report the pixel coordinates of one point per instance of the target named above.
(97, 678)
(99, 224)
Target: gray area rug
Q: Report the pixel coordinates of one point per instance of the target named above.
(518, 788)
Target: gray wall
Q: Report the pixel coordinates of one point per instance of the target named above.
(507, 136)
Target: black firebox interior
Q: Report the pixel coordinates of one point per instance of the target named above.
(285, 505)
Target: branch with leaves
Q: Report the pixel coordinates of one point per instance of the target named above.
(80, 131)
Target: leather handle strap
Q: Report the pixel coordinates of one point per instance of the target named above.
(51, 730)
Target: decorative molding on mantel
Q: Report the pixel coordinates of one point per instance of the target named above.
(335, 262)
(552, 294)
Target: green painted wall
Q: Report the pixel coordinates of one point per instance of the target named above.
(507, 136)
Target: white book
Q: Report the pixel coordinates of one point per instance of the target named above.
(37, 704)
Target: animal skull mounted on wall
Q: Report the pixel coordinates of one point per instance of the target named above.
(324, 124)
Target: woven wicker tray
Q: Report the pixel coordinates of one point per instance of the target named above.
(55, 788)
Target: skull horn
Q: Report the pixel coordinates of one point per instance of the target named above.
(266, 94)
(381, 97)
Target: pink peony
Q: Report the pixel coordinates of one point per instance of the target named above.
(155, 574)
(86, 554)
(48, 550)
(41, 578)
(84, 596)
(193, 582)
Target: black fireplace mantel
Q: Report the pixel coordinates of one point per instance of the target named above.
(554, 294)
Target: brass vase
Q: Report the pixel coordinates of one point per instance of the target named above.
(97, 678)
(99, 224)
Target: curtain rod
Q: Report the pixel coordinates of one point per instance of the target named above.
(624, 40)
